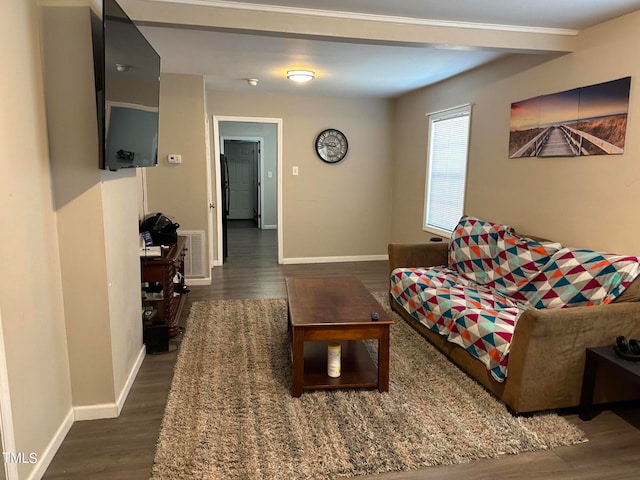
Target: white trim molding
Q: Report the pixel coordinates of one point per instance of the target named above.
(95, 412)
(279, 176)
(111, 410)
(356, 258)
(51, 449)
(133, 373)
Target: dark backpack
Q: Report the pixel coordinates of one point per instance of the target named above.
(162, 229)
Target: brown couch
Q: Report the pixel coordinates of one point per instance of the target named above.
(546, 359)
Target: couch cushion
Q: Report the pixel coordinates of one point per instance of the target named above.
(631, 293)
(475, 317)
(490, 254)
(519, 260)
(486, 334)
(578, 277)
(473, 247)
(408, 286)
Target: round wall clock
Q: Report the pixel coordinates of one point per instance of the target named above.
(331, 145)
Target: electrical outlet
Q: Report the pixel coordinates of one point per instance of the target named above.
(174, 158)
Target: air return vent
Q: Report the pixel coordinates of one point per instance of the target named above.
(194, 264)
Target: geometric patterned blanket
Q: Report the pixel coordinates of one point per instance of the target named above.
(493, 276)
(472, 316)
(578, 277)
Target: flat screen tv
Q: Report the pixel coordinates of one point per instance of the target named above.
(127, 77)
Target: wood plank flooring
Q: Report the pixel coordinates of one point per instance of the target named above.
(123, 448)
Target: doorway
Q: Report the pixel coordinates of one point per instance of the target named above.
(248, 190)
(243, 179)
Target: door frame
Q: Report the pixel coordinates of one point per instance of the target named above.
(210, 201)
(215, 165)
(260, 166)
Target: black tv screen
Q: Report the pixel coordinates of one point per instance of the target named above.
(127, 75)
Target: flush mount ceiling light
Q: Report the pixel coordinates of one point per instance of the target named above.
(301, 76)
(252, 81)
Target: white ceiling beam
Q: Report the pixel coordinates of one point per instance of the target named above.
(348, 27)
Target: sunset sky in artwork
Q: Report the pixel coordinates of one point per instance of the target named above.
(609, 98)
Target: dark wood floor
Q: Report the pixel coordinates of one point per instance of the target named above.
(123, 448)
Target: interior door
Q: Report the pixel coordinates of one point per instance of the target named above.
(224, 174)
(242, 158)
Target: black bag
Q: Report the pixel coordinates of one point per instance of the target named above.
(162, 229)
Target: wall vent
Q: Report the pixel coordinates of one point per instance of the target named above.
(194, 264)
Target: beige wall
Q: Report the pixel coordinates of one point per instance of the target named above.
(97, 218)
(329, 210)
(340, 210)
(30, 284)
(584, 202)
(180, 190)
(78, 200)
(121, 239)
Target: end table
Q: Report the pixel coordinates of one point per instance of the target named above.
(603, 358)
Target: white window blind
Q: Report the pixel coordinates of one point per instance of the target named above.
(446, 168)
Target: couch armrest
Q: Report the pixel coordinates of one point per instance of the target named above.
(417, 255)
(547, 355)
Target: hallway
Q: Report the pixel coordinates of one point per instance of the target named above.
(250, 246)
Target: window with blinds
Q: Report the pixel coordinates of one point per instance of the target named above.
(446, 169)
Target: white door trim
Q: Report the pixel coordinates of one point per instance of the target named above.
(210, 203)
(216, 165)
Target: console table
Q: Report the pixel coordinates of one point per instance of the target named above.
(162, 270)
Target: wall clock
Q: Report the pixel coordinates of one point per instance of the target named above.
(331, 145)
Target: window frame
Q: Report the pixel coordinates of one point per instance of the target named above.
(443, 115)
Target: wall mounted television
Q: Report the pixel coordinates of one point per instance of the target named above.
(127, 78)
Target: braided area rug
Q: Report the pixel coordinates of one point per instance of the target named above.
(230, 414)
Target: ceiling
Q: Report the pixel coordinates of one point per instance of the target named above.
(374, 48)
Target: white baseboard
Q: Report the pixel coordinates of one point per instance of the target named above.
(124, 393)
(95, 412)
(111, 410)
(45, 459)
(91, 412)
(359, 258)
(293, 260)
(198, 281)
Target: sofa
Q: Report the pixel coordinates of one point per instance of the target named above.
(517, 312)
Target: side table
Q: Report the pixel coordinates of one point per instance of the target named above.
(601, 358)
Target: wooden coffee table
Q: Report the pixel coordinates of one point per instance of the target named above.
(335, 309)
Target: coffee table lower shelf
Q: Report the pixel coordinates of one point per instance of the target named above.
(357, 367)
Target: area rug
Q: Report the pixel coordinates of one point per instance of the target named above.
(230, 413)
